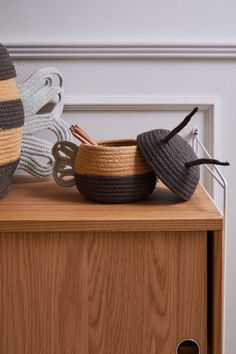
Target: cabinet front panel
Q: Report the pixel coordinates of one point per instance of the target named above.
(94, 293)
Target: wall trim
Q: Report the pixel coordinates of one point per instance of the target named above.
(122, 51)
(209, 105)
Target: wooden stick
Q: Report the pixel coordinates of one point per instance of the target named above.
(79, 137)
(82, 133)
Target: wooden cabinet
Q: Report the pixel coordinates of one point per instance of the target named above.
(83, 278)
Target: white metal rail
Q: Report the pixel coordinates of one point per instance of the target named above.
(217, 175)
(215, 172)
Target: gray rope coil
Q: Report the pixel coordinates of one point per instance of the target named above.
(43, 87)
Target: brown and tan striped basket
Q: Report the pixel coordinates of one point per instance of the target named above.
(111, 172)
(11, 121)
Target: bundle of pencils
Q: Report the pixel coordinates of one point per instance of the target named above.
(81, 135)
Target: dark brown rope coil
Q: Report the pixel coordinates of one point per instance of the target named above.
(179, 127)
(205, 161)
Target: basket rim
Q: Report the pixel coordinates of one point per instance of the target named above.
(129, 144)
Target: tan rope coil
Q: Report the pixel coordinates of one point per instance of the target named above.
(111, 158)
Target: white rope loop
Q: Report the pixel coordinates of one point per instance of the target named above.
(43, 87)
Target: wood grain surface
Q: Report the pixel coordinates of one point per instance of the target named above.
(216, 300)
(102, 293)
(33, 205)
(43, 294)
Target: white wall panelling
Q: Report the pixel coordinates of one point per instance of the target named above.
(209, 105)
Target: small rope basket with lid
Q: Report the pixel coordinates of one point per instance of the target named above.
(118, 171)
(112, 171)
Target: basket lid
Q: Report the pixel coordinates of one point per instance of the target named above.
(172, 159)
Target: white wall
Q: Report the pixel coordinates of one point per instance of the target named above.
(191, 52)
(95, 21)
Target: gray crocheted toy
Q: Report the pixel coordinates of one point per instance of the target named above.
(173, 159)
(44, 87)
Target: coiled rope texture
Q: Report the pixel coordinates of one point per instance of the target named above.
(113, 172)
(43, 87)
(111, 158)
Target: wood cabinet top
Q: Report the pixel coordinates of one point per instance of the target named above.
(34, 205)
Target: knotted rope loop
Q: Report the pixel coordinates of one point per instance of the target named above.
(64, 153)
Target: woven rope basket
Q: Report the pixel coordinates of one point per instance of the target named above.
(11, 121)
(112, 172)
